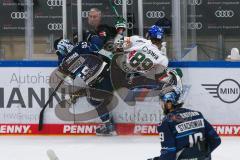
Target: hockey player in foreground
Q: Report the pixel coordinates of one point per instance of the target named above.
(184, 134)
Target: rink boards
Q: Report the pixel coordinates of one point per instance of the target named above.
(211, 87)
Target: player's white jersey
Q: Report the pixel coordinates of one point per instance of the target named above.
(142, 55)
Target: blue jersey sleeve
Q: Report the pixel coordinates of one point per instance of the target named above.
(168, 148)
(212, 137)
(91, 47)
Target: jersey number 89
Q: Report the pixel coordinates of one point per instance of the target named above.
(140, 58)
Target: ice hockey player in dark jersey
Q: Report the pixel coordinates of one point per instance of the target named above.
(184, 134)
(92, 66)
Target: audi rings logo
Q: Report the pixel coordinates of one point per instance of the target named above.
(120, 2)
(85, 14)
(194, 2)
(129, 25)
(195, 25)
(18, 15)
(155, 14)
(54, 3)
(55, 26)
(224, 13)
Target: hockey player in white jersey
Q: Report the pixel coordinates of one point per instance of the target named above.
(145, 61)
(142, 54)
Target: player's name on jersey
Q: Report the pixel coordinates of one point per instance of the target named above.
(189, 114)
(69, 59)
(150, 52)
(190, 125)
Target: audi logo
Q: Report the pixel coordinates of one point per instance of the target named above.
(195, 25)
(224, 13)
(85, 14)
(129, 25)
(18, 15)
(54, 3)
(120, 2)
(55, 26)
(155, 14)
(194, 2)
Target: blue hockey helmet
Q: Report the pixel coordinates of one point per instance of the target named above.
(155, 32)
(170, 97)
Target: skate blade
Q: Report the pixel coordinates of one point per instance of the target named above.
(114, 133)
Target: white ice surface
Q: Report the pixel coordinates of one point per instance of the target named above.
(97, 148)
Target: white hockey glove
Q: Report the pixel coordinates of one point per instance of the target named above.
(64, 47)
(119, 39)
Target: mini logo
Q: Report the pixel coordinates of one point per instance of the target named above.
(224, 13)
(195, 25)
(228, 90)
(85, 14)
(194, 2)
(18, 15)
(54, 3)
(155, 14)
(120, 2)
(55, 26)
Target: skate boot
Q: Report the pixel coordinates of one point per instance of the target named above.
(172, 81)
(107, 129)
(172, 77)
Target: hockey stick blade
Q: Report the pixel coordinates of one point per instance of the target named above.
(51, 155)
(41, 115)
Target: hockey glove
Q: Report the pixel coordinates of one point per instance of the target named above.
(64, 47)
(120, 24)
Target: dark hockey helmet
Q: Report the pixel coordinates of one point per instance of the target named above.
(169, 101)
(170, 97)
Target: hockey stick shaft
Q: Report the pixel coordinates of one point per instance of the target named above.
(41, 116)
(114, 8)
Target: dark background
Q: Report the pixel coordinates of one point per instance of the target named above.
(45, 14)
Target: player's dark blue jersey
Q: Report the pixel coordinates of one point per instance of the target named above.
(84, 60)
(91, 47)
(183, 129)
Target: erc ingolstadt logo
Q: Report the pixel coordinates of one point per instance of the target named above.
(228, 90)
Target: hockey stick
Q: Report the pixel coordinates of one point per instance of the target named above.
(41, 116)
(113, 8)
(77, 61)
